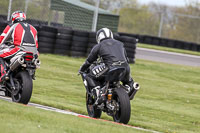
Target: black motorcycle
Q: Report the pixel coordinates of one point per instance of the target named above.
(117, 100)
(20, 72)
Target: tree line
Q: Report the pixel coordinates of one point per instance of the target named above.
(180, 23)
(37, 9)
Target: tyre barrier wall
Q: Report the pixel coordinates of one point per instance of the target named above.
(152, 40)
(2, 26)
(65, 41)
(79, 43)
(129, 45)
(75, 43)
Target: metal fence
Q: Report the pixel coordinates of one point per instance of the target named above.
(168, 23)
(37, 11)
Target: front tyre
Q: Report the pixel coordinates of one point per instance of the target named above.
(23, 84)
(92, 109)
(122, 115)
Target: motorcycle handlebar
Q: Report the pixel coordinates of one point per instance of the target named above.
(80, 73)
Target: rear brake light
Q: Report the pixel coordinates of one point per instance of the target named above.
(29, 56)
(27, 59)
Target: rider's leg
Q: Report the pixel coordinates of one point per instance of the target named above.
(94, 87)
(128, 80)
(91, 82)
(3, 69)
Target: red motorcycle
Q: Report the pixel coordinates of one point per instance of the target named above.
(19, 75)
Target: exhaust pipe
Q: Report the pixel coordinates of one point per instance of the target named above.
(16, 63)
(37, 63)
(136, 87)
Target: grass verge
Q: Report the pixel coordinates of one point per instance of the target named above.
(168, 100)
(168, 49)
(16, 118)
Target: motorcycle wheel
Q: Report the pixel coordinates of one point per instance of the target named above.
(122, 115)
(23, 84)
(91, 109)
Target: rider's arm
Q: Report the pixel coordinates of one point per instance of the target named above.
(2, 36)
(91, 58)
(34, 31)
(36, 41)
(126, 55)
(9, 53)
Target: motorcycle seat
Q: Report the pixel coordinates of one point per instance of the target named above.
(115, 74)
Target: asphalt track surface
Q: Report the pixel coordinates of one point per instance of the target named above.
(168, 57)
(76, 114)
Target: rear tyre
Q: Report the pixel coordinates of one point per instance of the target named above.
(122, 115)
(91, 109)
(23, 84)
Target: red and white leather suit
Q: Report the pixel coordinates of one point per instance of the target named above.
(20, 33)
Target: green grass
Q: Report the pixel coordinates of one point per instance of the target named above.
(16, 118)
(168, 49)
(168, 100)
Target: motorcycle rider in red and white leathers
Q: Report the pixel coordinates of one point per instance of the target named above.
(23, 36)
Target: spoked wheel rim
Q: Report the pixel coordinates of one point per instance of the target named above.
(117, 113)
(24, 85)
(123, 112)
(17, 93)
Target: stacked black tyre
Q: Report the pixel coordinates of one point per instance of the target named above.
(92, 41)
(63, 41)
(79, 43)
(130, 47)
(2, 26)
(147, 40)
(47, 37)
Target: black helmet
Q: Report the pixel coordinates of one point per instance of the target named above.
(103, 33)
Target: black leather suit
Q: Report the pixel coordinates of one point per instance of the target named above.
(110, 51)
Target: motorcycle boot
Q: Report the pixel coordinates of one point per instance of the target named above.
(129, 86)
(100, 95)
(3, 73)
(4, 76)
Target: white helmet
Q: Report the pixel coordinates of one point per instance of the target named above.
(103, 33)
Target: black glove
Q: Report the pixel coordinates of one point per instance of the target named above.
(79, 71)
(84, 67)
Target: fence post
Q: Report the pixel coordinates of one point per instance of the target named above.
(26, 6)
(50, 14)
(161, 24)
(9, 10)
(95, 17)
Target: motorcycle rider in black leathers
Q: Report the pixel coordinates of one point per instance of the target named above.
(113, 54)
